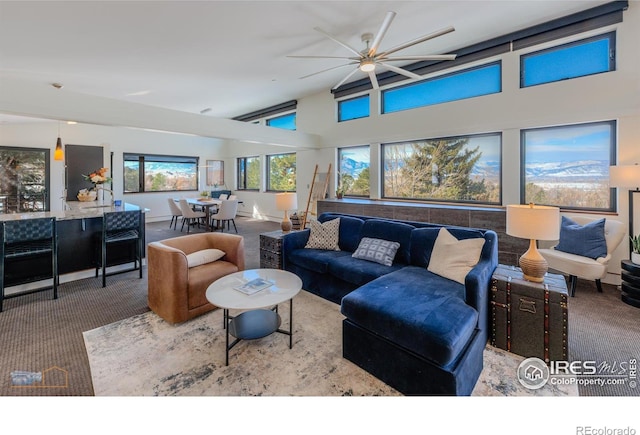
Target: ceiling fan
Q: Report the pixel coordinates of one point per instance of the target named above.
(369, 59)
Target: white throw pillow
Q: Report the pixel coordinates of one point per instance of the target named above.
(199, 258)
(453, 258)
(324, 236)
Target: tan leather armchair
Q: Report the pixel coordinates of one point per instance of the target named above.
(176, 292)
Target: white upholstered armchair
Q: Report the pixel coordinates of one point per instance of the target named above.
(576, 266)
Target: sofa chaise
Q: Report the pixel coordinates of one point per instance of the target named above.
(418, 331)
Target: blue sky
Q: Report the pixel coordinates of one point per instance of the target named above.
(562, 144)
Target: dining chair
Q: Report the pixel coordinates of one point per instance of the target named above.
(226, 213)
(175, 213)
(190, 216)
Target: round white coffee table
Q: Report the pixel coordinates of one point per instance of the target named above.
(260, 317)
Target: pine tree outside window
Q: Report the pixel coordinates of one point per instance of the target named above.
(457, 169)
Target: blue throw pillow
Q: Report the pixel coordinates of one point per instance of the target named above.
(587, 241)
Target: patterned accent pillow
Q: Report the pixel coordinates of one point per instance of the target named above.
(324, 236)
(376, 250)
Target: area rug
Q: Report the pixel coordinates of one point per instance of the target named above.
(146, 356)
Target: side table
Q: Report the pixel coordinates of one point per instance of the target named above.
(529, 318)
(630, 283)
(271, 250)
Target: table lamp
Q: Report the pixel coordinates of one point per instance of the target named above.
(533, 222)
(284, 202)
(626, 176)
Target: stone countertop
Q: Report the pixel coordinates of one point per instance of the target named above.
(75, 210)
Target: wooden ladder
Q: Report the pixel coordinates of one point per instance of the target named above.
(321, 192)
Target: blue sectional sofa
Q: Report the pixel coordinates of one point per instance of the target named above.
(419, 332)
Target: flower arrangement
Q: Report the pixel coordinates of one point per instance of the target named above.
(98, 176)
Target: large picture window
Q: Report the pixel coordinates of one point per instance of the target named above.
(577, 59)
(472, 82)
(248, 173)
(457, 169)
(353, 170)
(24, 179)
(568, 166)
(281, 172)
(157, 173)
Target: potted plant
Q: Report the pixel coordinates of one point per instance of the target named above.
(339, 193)
(635, 255)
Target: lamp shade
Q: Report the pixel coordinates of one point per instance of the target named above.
(537, 222)
(58, 153)
(286, 201)
(624, 176)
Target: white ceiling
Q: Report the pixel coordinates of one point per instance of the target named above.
(229, 56)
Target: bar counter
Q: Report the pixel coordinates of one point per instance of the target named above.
(74, 210)
(79, 229)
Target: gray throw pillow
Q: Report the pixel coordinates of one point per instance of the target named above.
(376, 250)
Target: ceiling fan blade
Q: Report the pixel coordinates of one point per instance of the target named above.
(427, 57)
(344, 44)
(402, 71)
(381, 32)
(323, 57)
(418, 41)
(346, 78)
(328, 69)
(374, 79)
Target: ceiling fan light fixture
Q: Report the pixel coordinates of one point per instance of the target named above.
(367, 65)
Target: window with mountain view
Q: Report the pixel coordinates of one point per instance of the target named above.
(353, 170)
(568, 166)
(281, 172)
(457, 169)
(248, 173)
(156, 173)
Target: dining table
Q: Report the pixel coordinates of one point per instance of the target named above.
(205, 204)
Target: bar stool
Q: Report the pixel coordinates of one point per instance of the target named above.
(119, 228)
(26, 240)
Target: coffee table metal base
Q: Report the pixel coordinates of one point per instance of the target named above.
(254, 324)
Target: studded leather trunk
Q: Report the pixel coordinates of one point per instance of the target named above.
(528, 318)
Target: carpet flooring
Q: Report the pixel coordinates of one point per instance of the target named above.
(38, 334)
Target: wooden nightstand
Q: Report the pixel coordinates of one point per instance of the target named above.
(271, 250)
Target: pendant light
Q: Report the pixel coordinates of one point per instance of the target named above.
(58, 154)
